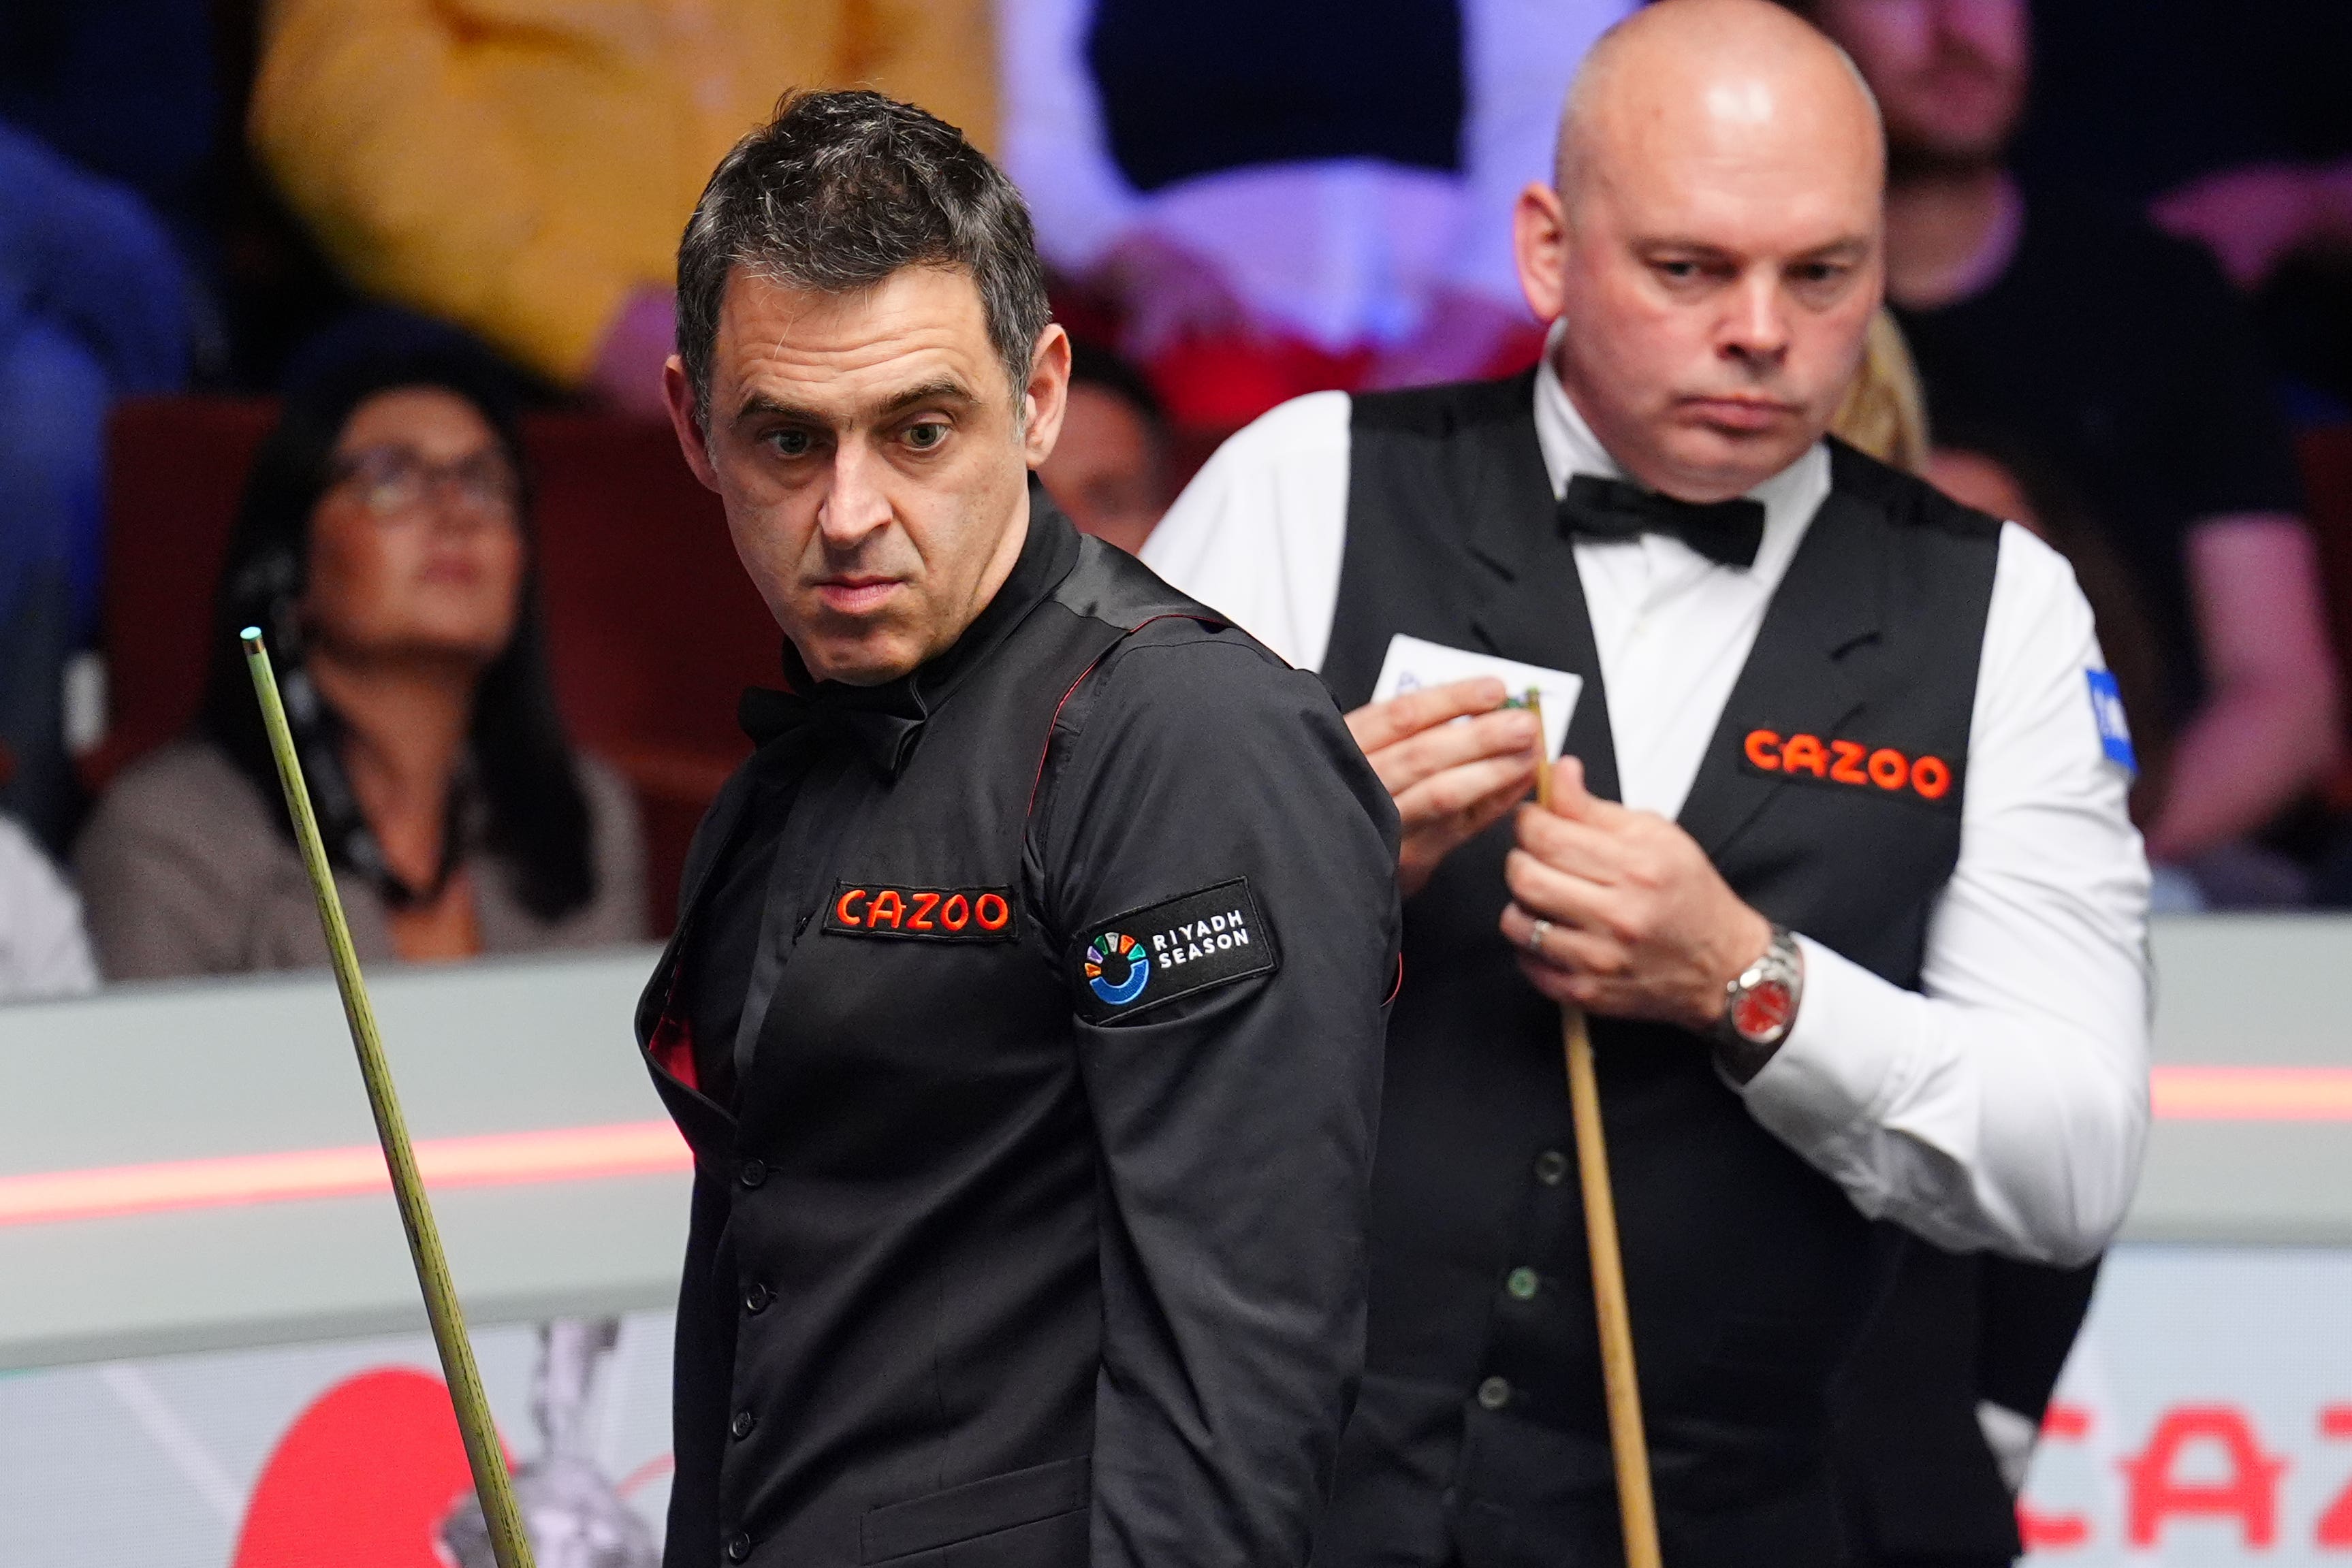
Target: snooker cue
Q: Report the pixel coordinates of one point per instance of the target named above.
(510, 1546)
(1637, 1512)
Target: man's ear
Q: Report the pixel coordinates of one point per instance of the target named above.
(1539, 244)
(677, 392)
(1046, 396)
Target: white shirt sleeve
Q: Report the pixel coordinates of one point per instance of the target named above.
(2006, 1107)
(1258, 534)
(44, 951)
(1055, 146)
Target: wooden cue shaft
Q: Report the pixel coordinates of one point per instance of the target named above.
(510, 1546)
(1636, 1509)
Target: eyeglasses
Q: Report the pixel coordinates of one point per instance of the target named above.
(391, 480)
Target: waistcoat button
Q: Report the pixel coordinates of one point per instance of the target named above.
(756, 1298)
(1550, 1166)
(752, 1174)
(739, 1547)
(1493, 1394)
(742, 1424)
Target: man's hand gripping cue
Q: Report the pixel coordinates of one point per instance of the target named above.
(1635, 921)
(1450, 781)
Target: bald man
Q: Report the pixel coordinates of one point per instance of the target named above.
(1838, 860)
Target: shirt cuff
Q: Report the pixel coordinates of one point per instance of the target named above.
(1846, 1058)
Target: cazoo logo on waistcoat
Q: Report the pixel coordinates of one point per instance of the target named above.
(1879, 770)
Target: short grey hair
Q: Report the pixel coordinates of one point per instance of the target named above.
(835, 193)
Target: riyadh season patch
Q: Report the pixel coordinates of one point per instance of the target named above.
(1136, 961)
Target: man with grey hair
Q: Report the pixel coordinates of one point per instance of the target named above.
(1025, 1007)
(1838, 864)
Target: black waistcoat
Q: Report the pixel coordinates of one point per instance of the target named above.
(1480, 1430)
(893, 1249)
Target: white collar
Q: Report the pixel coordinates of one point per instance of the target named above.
(1790, 497)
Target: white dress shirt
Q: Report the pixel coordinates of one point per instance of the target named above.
(1342, 252)
(2005, 1104)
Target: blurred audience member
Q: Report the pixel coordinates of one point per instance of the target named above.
(1885, 413)
(2255, 216)
(2124, 355)
(2002, 473)
(106, 119)
(1286, 198)
(43, 952)
(525, 172)
(1110, 469)
(125, 90)
(2230, 125)
(384, 546)
(93, 304)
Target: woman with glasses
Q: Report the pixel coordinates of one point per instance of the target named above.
(385, 547)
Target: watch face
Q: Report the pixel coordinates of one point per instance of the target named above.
(1762, 1012)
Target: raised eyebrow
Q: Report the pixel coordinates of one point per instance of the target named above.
(941, 391)
(759, 405)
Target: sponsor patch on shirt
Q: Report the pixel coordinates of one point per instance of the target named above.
(1134, 962)
(922, 913)
(2107, 711)
(1877, 769)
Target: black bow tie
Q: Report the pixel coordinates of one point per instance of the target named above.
(1726, 532)
(883, 721)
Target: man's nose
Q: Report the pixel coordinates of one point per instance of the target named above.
(1756, 330)
(856, 503)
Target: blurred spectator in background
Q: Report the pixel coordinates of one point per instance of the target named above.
(2232, 123)
(385, 547)
(2123, 354)
(105, 114)
(1109, 470)
(1884, 412)
(43, 952)
(2004, 473)
(1282, 199)
(525, 173)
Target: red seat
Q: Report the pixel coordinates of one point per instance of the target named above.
(652, 626)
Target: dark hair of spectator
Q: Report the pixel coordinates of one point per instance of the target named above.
(538, 815)
(840, 191)
(1093, 365)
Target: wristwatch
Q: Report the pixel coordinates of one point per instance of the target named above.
(1759, 1007)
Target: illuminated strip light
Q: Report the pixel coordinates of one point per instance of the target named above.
(2251, 1093)
(496, 1159)
(653, 1148)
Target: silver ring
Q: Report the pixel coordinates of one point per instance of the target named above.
(1535, 936)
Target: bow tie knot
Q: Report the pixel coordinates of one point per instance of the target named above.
(1726, 532)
